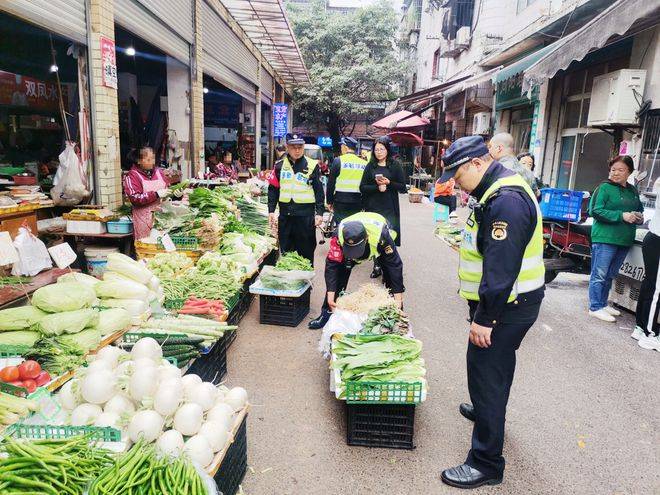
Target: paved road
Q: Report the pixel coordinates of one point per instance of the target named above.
(583, 418)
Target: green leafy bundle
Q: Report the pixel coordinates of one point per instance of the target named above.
(293, 261)
(384, 320)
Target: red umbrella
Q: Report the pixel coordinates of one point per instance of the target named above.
(405, 139)
(402, 119)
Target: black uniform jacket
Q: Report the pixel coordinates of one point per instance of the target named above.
(292, 208)
(388, 257)
(505, 228)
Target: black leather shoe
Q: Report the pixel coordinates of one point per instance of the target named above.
(320, 321)
(376, 272)
(467, 411)
(465, 476)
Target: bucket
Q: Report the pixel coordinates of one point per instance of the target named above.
(97, 259)
(440, 213)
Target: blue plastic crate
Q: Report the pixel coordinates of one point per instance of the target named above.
(561, 204)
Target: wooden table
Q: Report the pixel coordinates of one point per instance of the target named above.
(126, 240)
(15, 295)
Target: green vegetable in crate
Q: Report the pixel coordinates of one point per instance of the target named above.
(20, 318)
(19, 337)
(169, 265)
(51, 466)
(68, 321)
(67, 296)
(56, 357)
(386, 319)
(221, 285)
(293, 261)
(208, 201)
(280, 283)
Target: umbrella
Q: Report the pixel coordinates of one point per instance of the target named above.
(402, 119)
(405, 138)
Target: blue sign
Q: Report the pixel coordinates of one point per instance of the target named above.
(280, 119)
(324, 141)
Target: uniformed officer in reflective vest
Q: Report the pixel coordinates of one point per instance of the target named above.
(501, 275)
(360, 237)
(343, 190)
(295, 186)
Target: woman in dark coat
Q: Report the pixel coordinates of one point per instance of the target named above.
(382, 182)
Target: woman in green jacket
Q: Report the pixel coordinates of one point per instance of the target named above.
(616, 209)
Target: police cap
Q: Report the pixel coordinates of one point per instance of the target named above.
(355, 239)
(461, 151)
(294, 139)
(349, 142)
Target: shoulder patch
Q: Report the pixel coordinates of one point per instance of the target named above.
(389, 250)
(499, 232)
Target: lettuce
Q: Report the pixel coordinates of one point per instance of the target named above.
(19, 337)
(79, 277)
(20, 318)
(112, 320)
(135, 307)
(66, 296)
(128, 267)
(87, 339)
(68, 322)
(124, 289)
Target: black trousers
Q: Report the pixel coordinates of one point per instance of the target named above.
(297, 234)
(648, 304)
(490, 374)
(344, 276)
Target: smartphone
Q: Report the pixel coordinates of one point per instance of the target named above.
(379, 176)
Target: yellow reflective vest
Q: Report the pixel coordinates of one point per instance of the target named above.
(470, 269)
(373, 224)
(296, 187)
(350, 174)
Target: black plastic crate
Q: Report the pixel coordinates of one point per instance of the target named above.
(212, 367)
(271, 258)
(381, 425)
(231, 472)
(240, 309)
(284, 311)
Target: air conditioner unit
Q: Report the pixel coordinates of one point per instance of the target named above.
(463, 35)
(481, 123)
(615, 97)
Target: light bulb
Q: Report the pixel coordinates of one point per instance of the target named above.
(206, 90)
(130, 51)
(54, 68)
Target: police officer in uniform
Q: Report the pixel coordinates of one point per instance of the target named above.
(360, 237)
(295, 186)
(343, 191)
(501, 275)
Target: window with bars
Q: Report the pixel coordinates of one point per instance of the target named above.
(436, 63)
(652, 132)
(458, 14)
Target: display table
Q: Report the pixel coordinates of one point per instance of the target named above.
(126, 240)
(13, 296)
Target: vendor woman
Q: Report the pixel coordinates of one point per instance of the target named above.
(146, 186)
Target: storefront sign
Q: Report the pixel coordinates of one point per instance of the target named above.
(324, 141)
(280, 119)
(108, 63)
(22, 91)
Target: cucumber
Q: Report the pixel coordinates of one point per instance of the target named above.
(177, 350)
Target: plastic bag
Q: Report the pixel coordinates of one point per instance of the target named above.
(340, 322)
(32, 254)
(70, 182)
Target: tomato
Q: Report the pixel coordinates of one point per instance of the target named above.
(31, 385)
(42, 379)
(29, 369)
(9, 374)
(17, 383)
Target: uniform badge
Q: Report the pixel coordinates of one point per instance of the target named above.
(389, 250)
(499, 232)
(470, 222)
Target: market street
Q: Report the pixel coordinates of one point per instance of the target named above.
(582, 417)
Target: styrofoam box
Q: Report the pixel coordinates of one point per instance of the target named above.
(84, 227)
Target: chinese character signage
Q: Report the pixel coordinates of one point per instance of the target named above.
(280, 119)
(17, 90)
(324, 141)
(108, 63)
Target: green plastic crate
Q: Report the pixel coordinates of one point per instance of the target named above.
(132, 337)
(183, 243)
(174, 303)
(384, 392)
(9, 351)
(13, 390)
(22, 430)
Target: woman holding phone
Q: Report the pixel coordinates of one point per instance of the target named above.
(382, 182)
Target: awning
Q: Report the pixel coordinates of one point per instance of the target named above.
(401, 120)
(434, 92)
(267, 25)
(516, 68)
(472, 81)
(616, 20)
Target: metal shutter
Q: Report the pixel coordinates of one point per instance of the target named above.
(64, 17)
(135, 18)
(177, 14)
(229, 58)
(266, 84)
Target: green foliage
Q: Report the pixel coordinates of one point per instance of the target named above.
(351, 59)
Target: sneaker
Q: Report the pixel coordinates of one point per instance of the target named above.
(651, 342)
(612, 311)
(601, 314)
(638, 333)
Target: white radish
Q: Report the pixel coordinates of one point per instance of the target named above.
(85, 414)
(237, 398)
(188, 419)
(189, 383)
(107, 419)
(110, 354)
(119, 404)
(69, 395)
(199, 450)
(98, 387)
(125, 368)
(143, 383)
(97, 365)
(170, 443)
(204, 394)
(143, 363)
(147, 347)
(167, 399)
(167, 371)
(145, 424)
(215, 435)
(222, 413)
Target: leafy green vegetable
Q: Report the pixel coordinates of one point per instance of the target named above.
(20, 318)
(67, 296)
(222, 285)
(56, 357)
(208, 201)
(19, 337)
(169, 265)
(386, 319)
(68, 321)
(87, 339)
(112, 320)
(10, 280)
(293, 261)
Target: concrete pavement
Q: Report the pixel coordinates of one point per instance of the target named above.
(583, 417)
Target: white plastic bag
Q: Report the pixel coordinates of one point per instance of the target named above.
(340, 322)
(70, 182)
(32, 254)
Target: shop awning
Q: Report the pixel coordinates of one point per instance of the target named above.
(425, 94)
(403, 119)
(516, 68)
(616, 20)
(267, 25)
(472, 81)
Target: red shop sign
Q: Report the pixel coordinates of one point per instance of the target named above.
(17, 90)
(108, 62)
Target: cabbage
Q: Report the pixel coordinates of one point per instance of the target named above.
(135, 307)
(78, 277)
(20, 318)
(68, 321)
(67, 296)
(122, 264)
(121, 289)
(19, 337)
(112, 320)
(87, 339)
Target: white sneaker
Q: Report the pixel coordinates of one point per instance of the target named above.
(612, 311)
(651, 343)
(638, 333)
(601, 314)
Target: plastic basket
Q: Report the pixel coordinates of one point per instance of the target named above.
(184, 243)
(561, 204)
(119, 227)
(212, 366)
(231, 472)
(22, 430)
(415, 197)
(381, 425)
(10, 351)
(132, 337)
(384, 392)
(285, 311)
